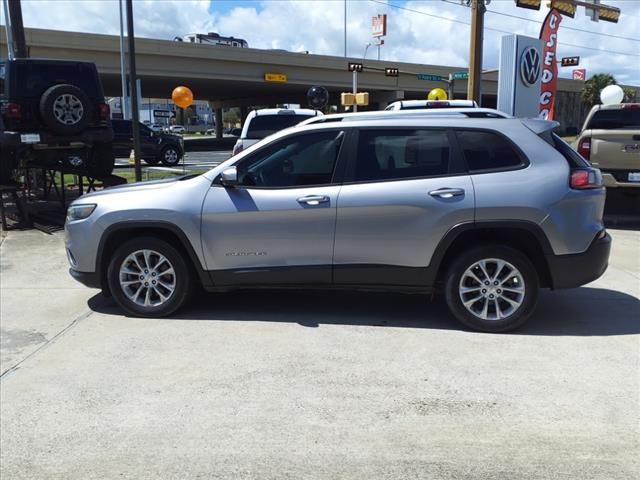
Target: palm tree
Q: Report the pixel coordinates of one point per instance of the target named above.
(593, 87)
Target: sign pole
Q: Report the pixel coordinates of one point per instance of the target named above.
(475, 51)
(355, 88)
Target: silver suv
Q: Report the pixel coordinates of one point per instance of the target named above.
(486, 211)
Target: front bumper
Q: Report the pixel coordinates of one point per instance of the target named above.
(88, 279)
(570, 271)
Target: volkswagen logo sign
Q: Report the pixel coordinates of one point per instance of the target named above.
(530, 68)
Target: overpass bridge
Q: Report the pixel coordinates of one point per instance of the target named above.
(235, 77)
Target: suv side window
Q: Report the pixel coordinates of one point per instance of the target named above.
(487, 151)
(398, 154)
(307, 159)
(122, 127)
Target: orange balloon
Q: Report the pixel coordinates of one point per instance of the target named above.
(182, 97)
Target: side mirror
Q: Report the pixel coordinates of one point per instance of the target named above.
(229, 177)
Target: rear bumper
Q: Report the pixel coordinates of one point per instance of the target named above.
(611, 182)
(570, 271)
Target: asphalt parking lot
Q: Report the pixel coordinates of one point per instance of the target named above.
(313, 385)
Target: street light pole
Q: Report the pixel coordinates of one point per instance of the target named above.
(366, 47)
(133, 91)
(123, 70)
(478, 9)
(345, 28)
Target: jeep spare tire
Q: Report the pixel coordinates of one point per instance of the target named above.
(65, 109)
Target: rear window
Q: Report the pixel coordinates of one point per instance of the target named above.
(31, 79)
(487, 151)
(615, 119)
(262, 126)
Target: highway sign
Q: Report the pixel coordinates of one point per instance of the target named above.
(164, 114)
(460, 75)
(430, 78)
(355, 67)
(275, 77)
(391, 72)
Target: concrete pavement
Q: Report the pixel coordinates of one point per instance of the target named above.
(313, 385)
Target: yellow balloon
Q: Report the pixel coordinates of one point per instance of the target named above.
(437, 94)
(182, 97)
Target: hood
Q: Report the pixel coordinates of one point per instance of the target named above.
(136, 187)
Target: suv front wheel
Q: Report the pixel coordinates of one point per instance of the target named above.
(149, 278)
(492, 288)
(170, 156)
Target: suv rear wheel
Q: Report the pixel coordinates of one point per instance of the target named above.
(149, 278)
(170, 156)
(492, 288)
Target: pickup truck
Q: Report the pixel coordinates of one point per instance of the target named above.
(610, 140)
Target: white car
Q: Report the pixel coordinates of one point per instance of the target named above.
(177, 129)
(425, 104)
(262, 123)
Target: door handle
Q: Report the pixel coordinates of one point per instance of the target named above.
(447, 192)
(313, 199)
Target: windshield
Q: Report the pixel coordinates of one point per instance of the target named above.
(262, 126)
(615, 119)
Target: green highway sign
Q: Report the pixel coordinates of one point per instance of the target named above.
(461, 75)
(430, 78)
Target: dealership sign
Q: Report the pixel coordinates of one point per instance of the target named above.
(549, 37)
(579, 74)
(379, 26)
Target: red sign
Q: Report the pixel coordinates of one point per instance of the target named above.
(579, 74)
(549, 37)
(379, 26)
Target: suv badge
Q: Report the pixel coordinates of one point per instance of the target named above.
(530, 66)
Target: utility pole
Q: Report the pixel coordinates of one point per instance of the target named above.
(478, 9)
(17, 29)
(123, 70)
(133, 91)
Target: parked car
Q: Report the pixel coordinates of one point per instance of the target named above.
(156, 146)
(610, 140)
(424, 104)
(156, 127)
(486, 211)
(262, 123)
(177, 129)
(53, 114)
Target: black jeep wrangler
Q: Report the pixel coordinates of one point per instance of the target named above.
(53, 115)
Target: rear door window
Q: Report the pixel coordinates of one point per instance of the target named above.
(626, 118)
(398, 154)
(487, 151)
(262, 126)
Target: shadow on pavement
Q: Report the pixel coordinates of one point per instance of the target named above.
(577, 312)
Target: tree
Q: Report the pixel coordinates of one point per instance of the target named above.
(231, 117)
(593, 87)
(629, 95)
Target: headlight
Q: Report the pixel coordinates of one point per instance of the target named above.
(79, 212)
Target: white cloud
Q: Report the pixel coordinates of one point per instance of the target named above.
(317, 26)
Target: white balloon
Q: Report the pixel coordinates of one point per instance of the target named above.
(611, 94)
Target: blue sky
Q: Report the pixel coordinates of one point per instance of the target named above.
(432, 32)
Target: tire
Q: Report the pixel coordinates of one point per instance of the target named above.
(151, 160)
(65, 109)
(177, 286)
(170, 155)
(515, 301)
(101, 160)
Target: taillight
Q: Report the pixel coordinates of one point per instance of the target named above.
(103, 111)
(585, 178)
(237, 148)
(13, 110)
(584, 147)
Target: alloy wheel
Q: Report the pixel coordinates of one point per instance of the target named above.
(147, 278)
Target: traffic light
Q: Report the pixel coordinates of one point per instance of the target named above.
(391, 72)
(565, 7)
(530, 4)
(570, 61)
(355, 67)
(608, 14)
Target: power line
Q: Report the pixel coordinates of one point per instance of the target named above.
(497, 29)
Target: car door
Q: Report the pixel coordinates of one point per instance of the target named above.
(122, 138)
(277, 226)
(403, 190)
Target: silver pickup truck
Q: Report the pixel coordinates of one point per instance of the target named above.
(610, 140)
